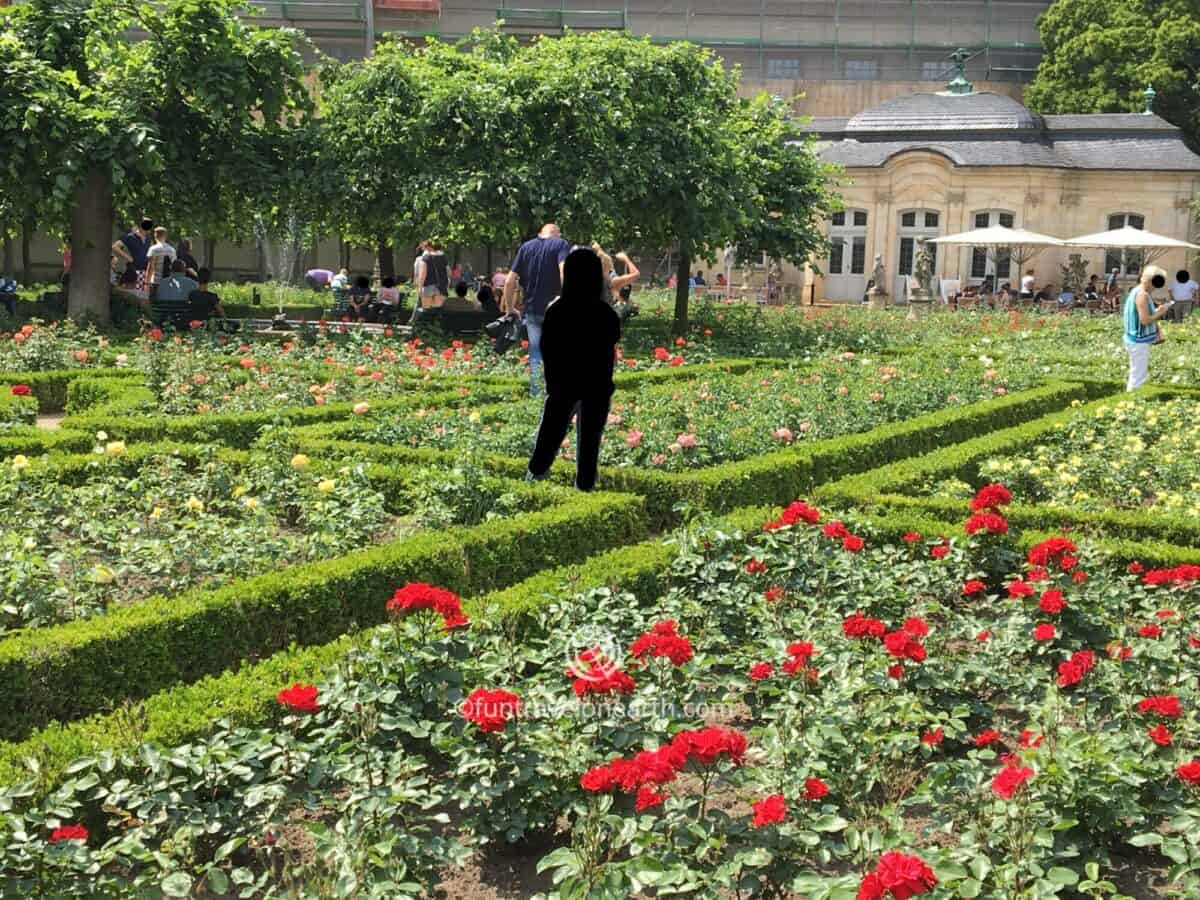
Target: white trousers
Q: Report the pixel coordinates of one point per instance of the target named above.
(1139, 365)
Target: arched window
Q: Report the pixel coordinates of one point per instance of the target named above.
(999, 263)
(1129, 262)
(848, 242)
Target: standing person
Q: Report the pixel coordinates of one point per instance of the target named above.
(579, 335)
(340, 281)
(160, 259)
(1110, 283)
(612, 281)
(433, 276)
(131, 249)
(1141, 324)
(498, 282)
(1183, 292)
(537, 270)
(184, 252)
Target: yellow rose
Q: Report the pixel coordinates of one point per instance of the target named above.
(102, 574)
(326, 486)
(114, 448)
(251, 503)
(20, 461)
(157, 512)
(300, 461)
(194, 504)
(239, 491)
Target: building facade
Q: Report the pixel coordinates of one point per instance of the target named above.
(935, 164)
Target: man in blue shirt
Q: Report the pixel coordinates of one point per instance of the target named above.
(133, 249)
(537, 269)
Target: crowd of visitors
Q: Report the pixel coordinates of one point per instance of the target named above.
(166, 280)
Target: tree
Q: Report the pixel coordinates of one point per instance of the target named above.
(176, 107)
(1099, 57)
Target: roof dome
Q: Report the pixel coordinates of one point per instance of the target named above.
(964, 113)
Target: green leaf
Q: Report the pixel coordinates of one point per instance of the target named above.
(218, 880)
(1149, 839)
(1063, 876)
(830, 822)
(177, 884)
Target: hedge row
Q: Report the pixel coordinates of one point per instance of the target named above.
(69, 671)
(51, 386)
(771, 478)
(247, 696)
(891, 486)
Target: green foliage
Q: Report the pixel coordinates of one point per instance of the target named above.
(1100, 56)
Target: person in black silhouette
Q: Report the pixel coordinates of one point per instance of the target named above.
(579, 340)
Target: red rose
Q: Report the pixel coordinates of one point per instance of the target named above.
(983, 636)
(1044, 632)
(1009, 779)
(417, 596)
(1164, 614)
(770, 811)
(1019, 588)
(1116, 651)
(1194, 641)
(1166, 705)
(939, 551)
(799, 511)
(1154, 632)
(1136, 568)
(904, 876)
(647, 798)
(299, 698)
(974, 586)
(815, 789)
(984, 738)
(933, 738)
(987, 521)
(1189, 772)
(773, 594)
(912, 537)
(707, 745)
(835, 529)
(858, 625)
(1052, 602)
(20, 390)
(991, 496)
(69, 833)
(491, 710)
(853, 543)
(760, 671)
(902, 645)
(663, 641)
(895, 671)
(917, 627)
(755, 566)
(1161, 735)
(1031, 739)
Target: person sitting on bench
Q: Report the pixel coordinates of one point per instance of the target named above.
(169, 303)
(203, 304)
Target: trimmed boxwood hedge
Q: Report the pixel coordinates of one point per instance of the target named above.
(52, 386)
(69, 671)
(774, 477)
(247, 696)
(886, 488)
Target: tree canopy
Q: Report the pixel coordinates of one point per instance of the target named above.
(1099, 56)
(614, 138)
(180, 107)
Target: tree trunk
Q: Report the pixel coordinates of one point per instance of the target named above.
(9, 267)
(344, 250)
(210, 253)
(387, 260)
(682, 294)
(261, 249)
(26, 251)
(91, 250)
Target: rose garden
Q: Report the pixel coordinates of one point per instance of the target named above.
(862, 608)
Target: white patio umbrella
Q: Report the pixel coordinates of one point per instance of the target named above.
(1151, 245)
(1021, 245)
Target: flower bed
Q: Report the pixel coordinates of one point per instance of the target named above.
(724, 418)
(798, 712)
(81, 536)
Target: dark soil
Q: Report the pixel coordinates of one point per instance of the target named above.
(499, 873)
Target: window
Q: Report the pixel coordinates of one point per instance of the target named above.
(836, 250)
(858, 256)
(860, 218)
(906, 256)
(908, 220)
(998, 263)
(862, 69)
(783, 68)
(931, 220)
(914, 225)
(838, 219)
(936, 70)
(1127, 262)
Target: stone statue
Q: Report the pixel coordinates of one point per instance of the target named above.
(879, 275)
(923, 266)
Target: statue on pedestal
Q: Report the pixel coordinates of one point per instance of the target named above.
(877, 296)
(919, 298)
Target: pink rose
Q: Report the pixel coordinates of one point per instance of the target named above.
(783, 435)
(633, 439)
(686, 441)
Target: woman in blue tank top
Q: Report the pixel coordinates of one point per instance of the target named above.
(1141, 324)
